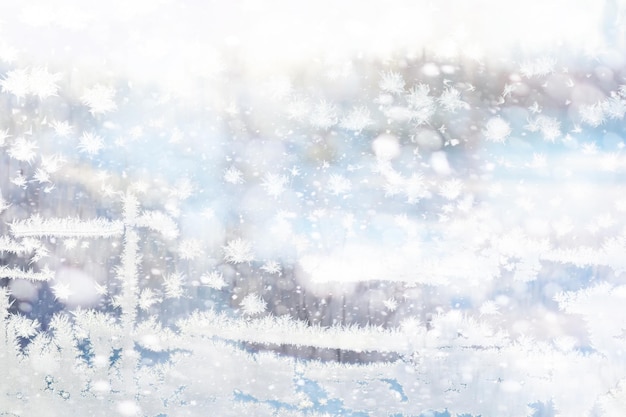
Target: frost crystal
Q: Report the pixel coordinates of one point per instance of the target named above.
(548, 126)
(338, 184)
(42, 83)
(238, 251)
(90, 143)
(148, 298)
(450, 100)
(391, 304)
(173, 284)
(538, 68)
(252, 305)
(35, 81)
(99, 99)
(190, 249)
(233, 176)
(213, 280)
(324, 115)
(272, 267)
(159, 222)
(4, 135)
(375, 216)
(422, 105)
(497, 130)
(357, 120)
(62, 291)
(415, 188)
(451, 189)
(274, 184)
(23, 150)
(16, 83)
(391, 82)
(4, 204)
(489, 308)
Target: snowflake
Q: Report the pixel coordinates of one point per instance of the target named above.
(550, 127)
(17, 83)
(391, 82)
(391, 304)
(324, 115)
(271, 267)
(40, 253)
(42, 83)
(489, 308)
(4, 135)
(238, 251)
(252, 305)
(535, 108)
(62, 291)
(23, 150)
(497, 130)
(190, 249)
(20, 181)
(3, 204)
(451, 189)
(38, 81)
(421, 104)
(233, 176)
(411, 325)
(274, 184)
(173, 285)
(450, 100)
(298, 109)
(419, 96)
(41, 176)
(51, 164)
(99, 99)
(159, 222)
(213, 280)
(24, 327)
(101, 289)
(357, 120)
(183, 190)
(592, 114)
(394, 181)
(62, 129)
(415, 188)
(90, 143)
(338, 184)
(148, 298)
(538, 68)
(507, 90)
(614, 107)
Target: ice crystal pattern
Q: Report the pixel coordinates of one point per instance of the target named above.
(434, 241)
